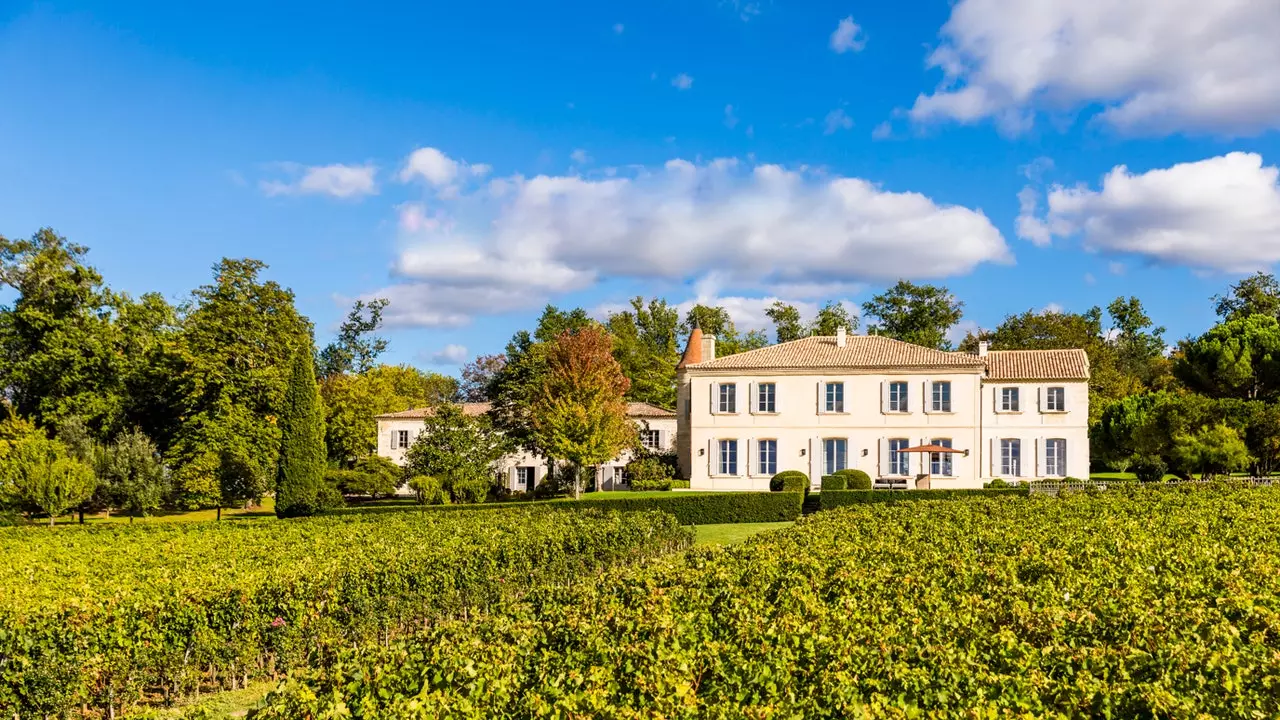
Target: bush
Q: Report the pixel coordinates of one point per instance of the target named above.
(834, 482)
(428, 490)
(855, 479)
(841, 498)
(789, 481)
(382, 476)
(700, 509)
(1148, 470)
(996, 484)
(679, 484)
(648, 473)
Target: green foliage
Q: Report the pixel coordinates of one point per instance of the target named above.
(43, 476)
(699, 509)
(834, 482)
(857, 479)
(384, 475)
(789, 481)
(356, 347)
(716, 321)
(428, 490)
(1149, 469)
(1211, 450)
(645, 345)
(920, 314)
(300, 474)
(830, 619)
(132, 469)
(459, 450)
(102, 617)
(351, 403)
(833, 316)
(479, 377)
(997, 484)
(1258, 294)
(1239, 358)
(843, 498)
(648, 473)
(787, 324)
(678, 484)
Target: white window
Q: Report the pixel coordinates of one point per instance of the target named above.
(650, 439)
(1011, 458)
(835, 397)
(768, 456)
(835, 455)
(400, 439)
(940, 463)
(525, 478)
(618, 472)
(1009, 399)
(899, 462)
(1055, 457)
(898, 397)
(728, 398)
(942, 397)
(1055, 399)
(766, 398)
(728, 457)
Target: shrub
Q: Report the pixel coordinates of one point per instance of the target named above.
(997, 484)
(1149, 469)
(701, 509)
(382, 475)
(833, 482)
(648, 473)
(855, 479)
(680, 484)
(428, 490)
(841, 498)
(789, 481)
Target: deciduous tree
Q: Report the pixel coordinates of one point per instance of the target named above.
(920, 314)
(1258, 294)
(352, 400)
(787, 324)
(646, 346)
(715, 320)
(459, 451)
(45, 477)
(1211, 450)
(356, 348)
(478, 377)
(833, 316)
(132, 469)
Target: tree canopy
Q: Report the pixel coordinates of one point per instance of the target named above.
(920, 314)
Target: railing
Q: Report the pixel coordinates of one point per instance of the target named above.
(1053, 487)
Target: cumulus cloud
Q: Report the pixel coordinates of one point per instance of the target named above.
(341, 181)
(1154, 66)
(1028, 225)
(848, 37)
(683, 81)
(548, 235)
(836, 121)
(451, 354)
(1222, 213)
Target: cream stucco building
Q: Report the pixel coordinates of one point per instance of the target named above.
(825, 403)
(522, 471)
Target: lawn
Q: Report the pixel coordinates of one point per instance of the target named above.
(266, 510)
(733, 534)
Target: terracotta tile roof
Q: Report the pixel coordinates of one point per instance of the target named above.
(860, 351)
(1037, 365)
(634, 409)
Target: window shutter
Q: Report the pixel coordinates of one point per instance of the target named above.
(749, 468)
(819, 396)
(713, 386)
(1040, 399)
(994, 463)
(711, 458)
(1042, 457)
(1062, 461)
(883, 467)
(751, 398)
(927, 391)
(884, 396)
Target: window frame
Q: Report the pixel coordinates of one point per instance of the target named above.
(726, 453)
(761, 468)
(401, 440)
(727, 397)
(942, 461)
(899, 466)
(832, 405)
(936, 403)
(1011, 457)
(843, 455)
(521, 482)
(655, 434)
(1049, 393)
(773, 398)
(1004, 399)
(1059, 457)
(902, 404)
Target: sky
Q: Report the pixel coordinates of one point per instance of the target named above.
(472, 162)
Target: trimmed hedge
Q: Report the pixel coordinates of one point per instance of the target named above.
(834, 482)
(839, 498)
(679, 484)
(789, 481)
(710, 509)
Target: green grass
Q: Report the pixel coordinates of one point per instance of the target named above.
(223, 705)
(733, 534)
(266, 510)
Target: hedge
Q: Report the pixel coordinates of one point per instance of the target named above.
(840, 498)
(789, 481)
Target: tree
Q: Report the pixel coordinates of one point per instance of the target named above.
(919, 314)
(1238, 358)
(478, 377)
(301, 469)
(580, 412)
(1258, 294)
(13, 430)
(45, 477)
(787, 325)
(646, 346)
(352, 401)
(833, 316)
(459, 451)
(1211, 450)
(356, 347)
(131, 468)
(1138, 342)
(716, 321)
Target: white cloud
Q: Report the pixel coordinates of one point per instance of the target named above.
(848, 37)
(1028, 225)
(449, 355)
(1155, 66)
(618, 28)
(431, 165)
(683, 81)
(835, 121)
(548, 235)
(341, 181)
(580, 157)
(730, 120)
(1222, 213)
(883, 131)
(1052, 309)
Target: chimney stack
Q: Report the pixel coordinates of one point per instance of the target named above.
(708, 348)
(983, 346)
(842, 337)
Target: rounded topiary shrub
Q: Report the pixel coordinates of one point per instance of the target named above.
(996, 484)
(833, 482)
(855, 479)
(1149, 469)
(789, 481)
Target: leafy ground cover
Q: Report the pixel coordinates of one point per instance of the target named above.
(733, 533)
(1142, 603)
(112, 616)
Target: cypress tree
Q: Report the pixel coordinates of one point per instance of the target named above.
(302, 453)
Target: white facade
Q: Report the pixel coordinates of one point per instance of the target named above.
(521, 470)
(740, 424)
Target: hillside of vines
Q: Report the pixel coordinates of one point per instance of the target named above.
(1142, 603)
(100, 620)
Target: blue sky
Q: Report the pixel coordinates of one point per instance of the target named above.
(473, 161)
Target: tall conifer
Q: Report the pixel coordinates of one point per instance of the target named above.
(302, 454)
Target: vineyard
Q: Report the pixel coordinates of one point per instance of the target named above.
(99, 620)
(1144, 603)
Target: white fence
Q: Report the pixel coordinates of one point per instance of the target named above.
(1053, 487)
